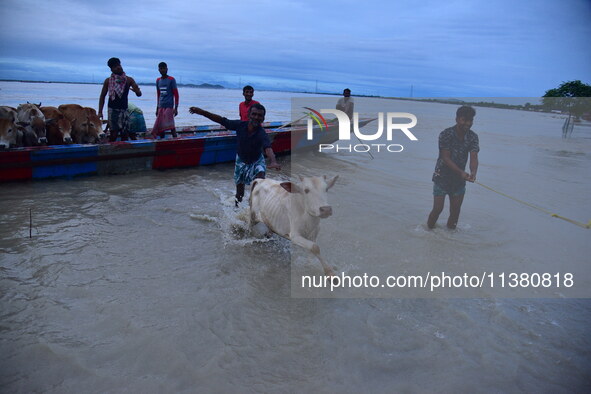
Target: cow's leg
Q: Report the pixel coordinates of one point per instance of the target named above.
(253, 216)
(239, 193)
(314, 249)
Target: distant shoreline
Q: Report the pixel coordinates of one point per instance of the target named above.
(526, 107)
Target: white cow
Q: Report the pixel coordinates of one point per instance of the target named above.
(293, 210)
(32, 119)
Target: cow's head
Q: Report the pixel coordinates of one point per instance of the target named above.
(8, 133)
(61, 129)
(94, 125)
(65, 128)
(31, 117)
(93, 130)
(38, 126)
(313, 192)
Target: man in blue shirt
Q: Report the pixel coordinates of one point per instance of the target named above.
(251, 140)
(167, 103)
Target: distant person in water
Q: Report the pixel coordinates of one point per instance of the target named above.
(251, 140)
(167, 103)
(247, 92)
(346, 104)
(455, 145)
(117, 86)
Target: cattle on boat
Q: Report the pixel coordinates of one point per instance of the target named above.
(293, 210)
(198, 146)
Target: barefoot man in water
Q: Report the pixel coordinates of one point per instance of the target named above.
(251, 141)
(455, 144)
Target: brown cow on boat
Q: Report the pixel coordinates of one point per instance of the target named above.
(7, 112)
(86, 125)
(59, 128)
(11, 134)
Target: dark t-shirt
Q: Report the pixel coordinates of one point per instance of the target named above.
(249, 148)
(120, 102)
(444, 176)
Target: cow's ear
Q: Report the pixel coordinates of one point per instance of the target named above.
(330, 182)
(290, 187)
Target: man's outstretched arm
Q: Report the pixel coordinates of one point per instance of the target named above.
(208, 115)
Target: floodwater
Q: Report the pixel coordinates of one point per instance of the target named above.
(150, 283)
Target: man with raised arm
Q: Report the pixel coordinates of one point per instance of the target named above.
(252, 140)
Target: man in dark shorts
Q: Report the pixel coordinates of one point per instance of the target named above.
(118, 85)
(251, 140)
(455, 145)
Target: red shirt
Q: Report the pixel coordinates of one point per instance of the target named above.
(244, 107)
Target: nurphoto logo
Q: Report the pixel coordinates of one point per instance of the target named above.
(392, 120)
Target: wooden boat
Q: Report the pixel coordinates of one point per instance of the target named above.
(196, 146)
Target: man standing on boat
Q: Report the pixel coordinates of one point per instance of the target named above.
(455, 144)
(346, 104)
(167, 103)
(118, 85)
(251, 140)
(247, 92)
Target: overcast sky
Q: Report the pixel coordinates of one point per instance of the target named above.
(449, 48)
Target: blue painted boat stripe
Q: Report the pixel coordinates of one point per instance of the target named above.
(61, 153)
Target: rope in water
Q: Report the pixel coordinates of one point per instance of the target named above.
(554, 215)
